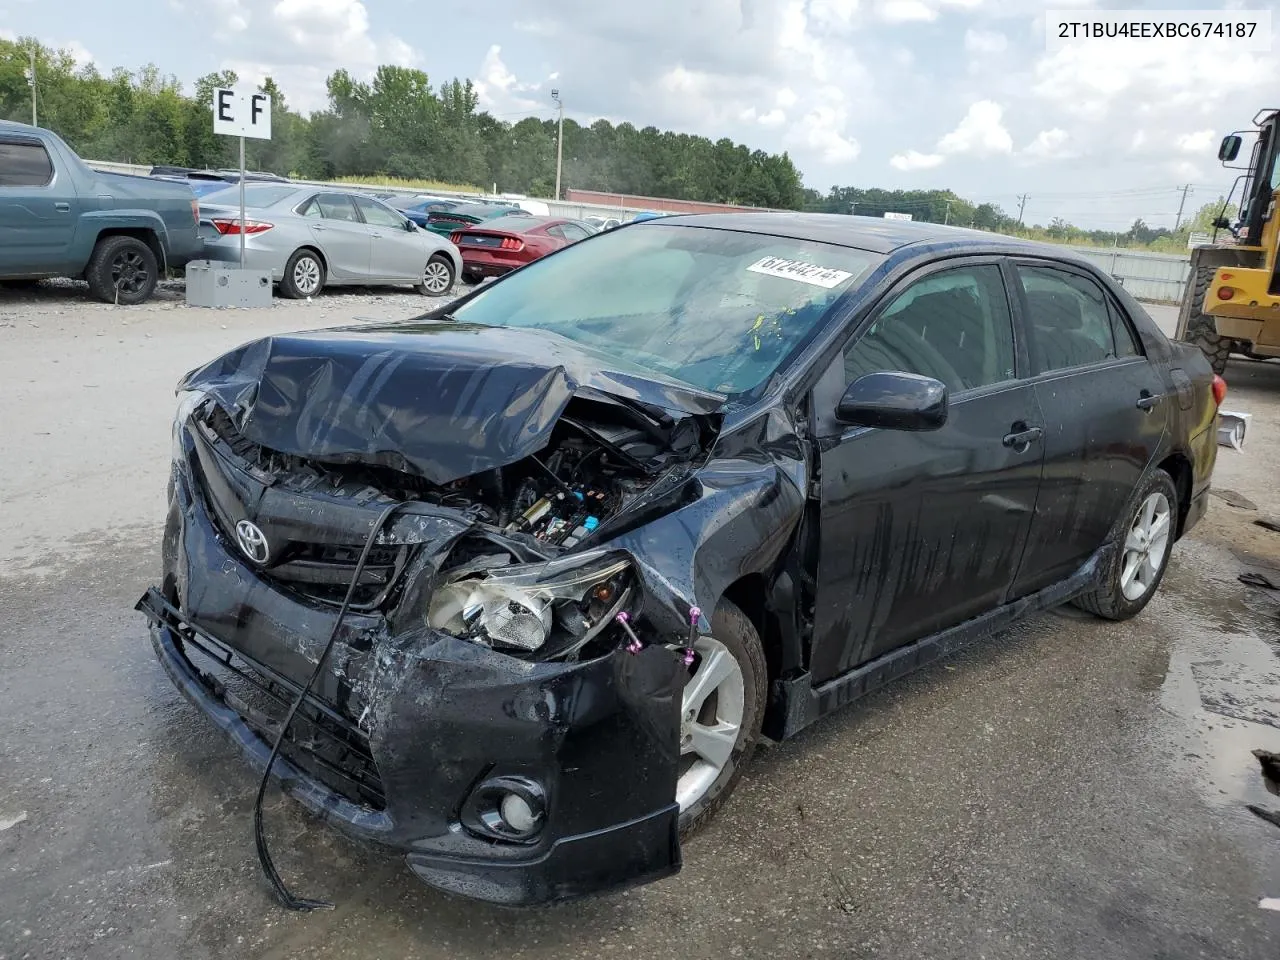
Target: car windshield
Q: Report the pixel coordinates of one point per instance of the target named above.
(255, 195)
(717, 309)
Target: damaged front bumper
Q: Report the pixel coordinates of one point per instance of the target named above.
(413, 741)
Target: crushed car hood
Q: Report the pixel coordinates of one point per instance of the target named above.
(441, 400)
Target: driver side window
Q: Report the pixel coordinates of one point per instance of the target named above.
(954, 326)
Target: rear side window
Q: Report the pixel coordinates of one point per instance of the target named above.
(336, 206)
(573, 232)
(1126, 345)
(1072, 323)
(954, 326)
(24, 164)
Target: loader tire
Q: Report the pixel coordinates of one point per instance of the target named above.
(1201, 329)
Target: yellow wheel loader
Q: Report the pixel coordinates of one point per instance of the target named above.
(1232, 299)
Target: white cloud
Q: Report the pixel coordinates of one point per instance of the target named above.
(79, 52)
(1048, 145)
(1198, 143)
(981, 133)
(6, 34)
(774, 118)
(501, 92)
(906, 11)
(985, 42)
(914, 160)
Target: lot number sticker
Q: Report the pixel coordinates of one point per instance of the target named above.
(809, 273)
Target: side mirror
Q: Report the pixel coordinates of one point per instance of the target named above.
(410, 226)
(894, 401)
(1230, 148)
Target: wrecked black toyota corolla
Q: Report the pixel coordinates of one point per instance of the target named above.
(603, 523)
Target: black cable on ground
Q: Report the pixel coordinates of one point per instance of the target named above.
(281, 892)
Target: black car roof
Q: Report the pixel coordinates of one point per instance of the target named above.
(863, 233)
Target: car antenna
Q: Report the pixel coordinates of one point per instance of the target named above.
(278, 888)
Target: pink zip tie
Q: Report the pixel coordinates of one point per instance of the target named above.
(634, 644)
(695, 614)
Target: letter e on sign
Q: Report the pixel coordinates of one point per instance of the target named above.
(242, 113)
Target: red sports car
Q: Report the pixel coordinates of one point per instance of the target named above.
(499, 246)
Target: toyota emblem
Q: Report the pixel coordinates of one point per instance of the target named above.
(253, 542)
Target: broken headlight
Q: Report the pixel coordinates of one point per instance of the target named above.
(188, 400)
(554, 608)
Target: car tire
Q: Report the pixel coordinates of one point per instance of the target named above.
(1117, 595)
(1201, 329)
(304, 275)
(471, 279)
(438, 277)
(122, 270)
(733, 635)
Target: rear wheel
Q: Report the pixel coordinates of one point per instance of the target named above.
(437, 278)
(303, 275)
(1201, 329)
(1145, 538)
(722, 709)
(122, 270)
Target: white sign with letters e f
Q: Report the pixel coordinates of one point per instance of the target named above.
(242, 113)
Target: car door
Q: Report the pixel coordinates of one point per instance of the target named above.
(38, 209)
(395, 253)
(341, 235)
(1105, 414)
(923, 530)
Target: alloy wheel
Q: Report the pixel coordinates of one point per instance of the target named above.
(129, 272)
(1145, 546)
(306, 276)
(437, 277)
(711, 715)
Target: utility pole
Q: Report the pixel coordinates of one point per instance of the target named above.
(31, 82)
(1022, 202)
(946, 217)
(555, 95)
(1178, 220)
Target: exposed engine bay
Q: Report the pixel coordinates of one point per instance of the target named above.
(525, 578)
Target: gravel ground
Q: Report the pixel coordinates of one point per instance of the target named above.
(1067, 788)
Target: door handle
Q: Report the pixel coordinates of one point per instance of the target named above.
(1022, 437)
(62, 206)
(318, 227)
(1148, 400)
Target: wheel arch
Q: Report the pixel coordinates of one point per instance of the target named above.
(1178, 466)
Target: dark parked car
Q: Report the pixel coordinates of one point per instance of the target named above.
(418, 208)
(445, 222)
(500, 245)
(542, 566)
(61, 218)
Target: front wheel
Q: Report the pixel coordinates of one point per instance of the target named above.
(1131, 577)
(303, 275)
(722, 710)
(1201, 329)
(437, 278)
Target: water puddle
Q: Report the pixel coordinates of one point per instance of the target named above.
(1223, 677)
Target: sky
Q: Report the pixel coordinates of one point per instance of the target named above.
(911, 94)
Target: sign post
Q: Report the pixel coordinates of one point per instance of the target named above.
(242, 113)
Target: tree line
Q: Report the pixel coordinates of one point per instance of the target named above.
(398, 125)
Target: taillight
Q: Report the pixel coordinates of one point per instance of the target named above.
(456, 237)
(231, 228)
(1219, 390)
(195, 210)
(1226, 293)
(511, 243)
